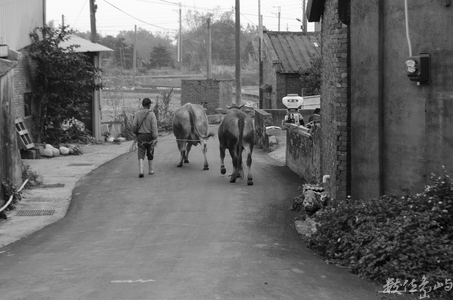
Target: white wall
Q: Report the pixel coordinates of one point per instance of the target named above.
(17, 19)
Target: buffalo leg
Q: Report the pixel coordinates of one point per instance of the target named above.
(182, 151)
(186, 158)
(204, 149)
(222, 160)
(249, 150)
(235, 173)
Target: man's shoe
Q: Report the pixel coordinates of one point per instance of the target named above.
(140, 175)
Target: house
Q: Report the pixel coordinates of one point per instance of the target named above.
(386, 100)
(93, 50)
(284, 55)
(17, 20)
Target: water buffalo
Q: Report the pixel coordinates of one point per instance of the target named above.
(190, 127)
(236, 133)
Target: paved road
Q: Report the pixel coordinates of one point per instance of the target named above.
(182, 233)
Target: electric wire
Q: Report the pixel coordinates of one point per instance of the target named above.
(135, 17)
(407, 27)
(80, 12)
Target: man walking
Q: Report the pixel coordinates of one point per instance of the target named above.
(144, 127)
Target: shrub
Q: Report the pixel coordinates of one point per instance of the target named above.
(32, 176)
(403, 238)
(311, 77)
(9, 190)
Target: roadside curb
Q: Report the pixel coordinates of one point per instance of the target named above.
(60, 176)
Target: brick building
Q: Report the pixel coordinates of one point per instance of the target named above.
(335, 121)
(383, 130)
(284, 55)
(17, 20)
(211, 93)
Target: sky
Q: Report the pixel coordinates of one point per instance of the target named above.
(112, 16)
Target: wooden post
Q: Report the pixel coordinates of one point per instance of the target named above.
(208, 70)
(304, 17)
(260, 55)
(93, 8)
(180, 38)
(134, 57)
(238, 53)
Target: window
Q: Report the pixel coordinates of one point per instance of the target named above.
(27, 104)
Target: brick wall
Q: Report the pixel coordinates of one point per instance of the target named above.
(287, 83)
(23, 83)
(211, 93)
(335, 103)
(269, 77)
(280, 91)
(10, 161)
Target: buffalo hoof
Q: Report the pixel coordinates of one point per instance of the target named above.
(179, 165)
(222, 170)
(232, 180)
(249, 181)
(186, 161)
(206, 168)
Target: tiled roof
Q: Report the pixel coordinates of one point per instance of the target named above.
(292, 49)
(85, 45)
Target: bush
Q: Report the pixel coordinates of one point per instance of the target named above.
(32, 176)
(73, 134)
(9, 190)
(403, 238)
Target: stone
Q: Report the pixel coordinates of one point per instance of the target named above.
(306, 227)
(64, 150)
(314, 198)
(54, 150)
(46, 152)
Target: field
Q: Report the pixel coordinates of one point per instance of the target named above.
(119, 102)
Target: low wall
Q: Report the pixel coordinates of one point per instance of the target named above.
(262, 120)
(303, 153)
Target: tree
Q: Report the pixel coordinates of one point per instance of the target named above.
(223, 41)
(223, 38)
(160, 57)
(311, 77)
(65, 80)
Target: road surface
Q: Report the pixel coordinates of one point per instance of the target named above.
(182, 233)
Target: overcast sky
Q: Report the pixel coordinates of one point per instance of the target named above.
(113, 16)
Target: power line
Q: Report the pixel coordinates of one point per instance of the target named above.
(135, 17)
(168, 2)
(80, 12)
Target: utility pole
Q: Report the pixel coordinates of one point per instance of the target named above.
(238, 53)
(135, 56)
(62, 20)
(278, 15)
(180, 39)
(208, 70)
(93, 8)
(260, 55)
(304, 16)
